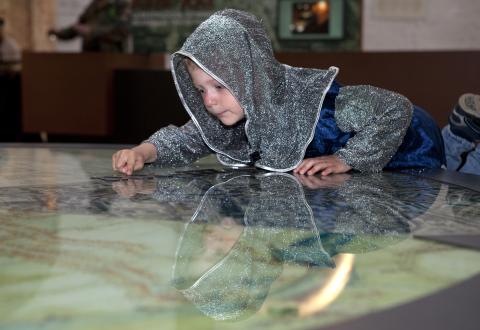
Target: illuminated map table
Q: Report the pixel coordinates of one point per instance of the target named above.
(206, 247)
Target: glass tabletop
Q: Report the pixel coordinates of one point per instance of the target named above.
(208, 247)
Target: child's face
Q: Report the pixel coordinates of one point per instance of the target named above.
(217, 99)
(217, 242)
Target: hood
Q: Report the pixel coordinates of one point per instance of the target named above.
(281, 103)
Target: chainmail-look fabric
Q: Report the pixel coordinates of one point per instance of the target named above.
(379, 118)
(277, 227)
(282, 104)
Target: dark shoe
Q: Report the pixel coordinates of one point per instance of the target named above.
(465, 118)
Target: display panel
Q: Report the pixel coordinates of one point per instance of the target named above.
(310, 20)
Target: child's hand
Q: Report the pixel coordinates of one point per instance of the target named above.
(127, 160)
(326, 164)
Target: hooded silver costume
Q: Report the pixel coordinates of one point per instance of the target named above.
(282, 105)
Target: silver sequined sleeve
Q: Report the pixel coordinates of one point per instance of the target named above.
(178, 145)
(379, 119)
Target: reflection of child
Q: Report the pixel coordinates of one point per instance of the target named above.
(223, 236)
(242, 232)
(250, 109)
(218, 240)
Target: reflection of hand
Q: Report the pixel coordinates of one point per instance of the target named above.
(315, 182)
(129, 188)
(326, 164)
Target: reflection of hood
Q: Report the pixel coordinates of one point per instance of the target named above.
(184, 186)
(281, 103)
(277, 227)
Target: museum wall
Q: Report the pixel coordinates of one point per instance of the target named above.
(386, 24)
(28, 21)
(162, 25)
(391, 25)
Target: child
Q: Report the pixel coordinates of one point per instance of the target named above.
(250, 109)
(462, 135)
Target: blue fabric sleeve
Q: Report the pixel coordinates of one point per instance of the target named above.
(328, 137)
(422, 145)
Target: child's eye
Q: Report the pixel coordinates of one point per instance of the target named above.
(201, 91)
(219, 87)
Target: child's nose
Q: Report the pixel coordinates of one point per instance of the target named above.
(209, 99)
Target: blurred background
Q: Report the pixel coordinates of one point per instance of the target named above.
(98, 70)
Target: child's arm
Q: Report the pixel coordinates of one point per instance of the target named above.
(178, 145)
(379, 118)
(169, 146)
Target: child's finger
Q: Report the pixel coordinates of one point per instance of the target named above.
(299, 167)
(124, 164)
(305, 166)
(327, 171)
(130, 165)
(123, 169)
(317, 167)
(114, 161)
(117, 161)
